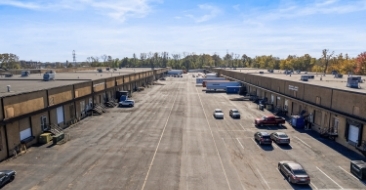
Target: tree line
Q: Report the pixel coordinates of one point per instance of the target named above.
(328, 61)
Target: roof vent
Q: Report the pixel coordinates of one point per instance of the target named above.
(8, 87)
(353, 81)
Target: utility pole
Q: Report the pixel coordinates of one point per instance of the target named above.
(74, 57)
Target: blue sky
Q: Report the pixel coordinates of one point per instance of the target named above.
(49, 30)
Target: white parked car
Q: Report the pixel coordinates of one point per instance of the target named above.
(130, 103)
(218, 114)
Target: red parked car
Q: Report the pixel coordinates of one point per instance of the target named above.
(269, 120)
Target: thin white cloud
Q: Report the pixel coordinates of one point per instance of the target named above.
(117, 9)
(236, 7)
(323, 7)
(211, 12)
(19, 4)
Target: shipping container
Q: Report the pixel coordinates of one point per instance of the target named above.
(205, 81)
(210, 75)
(200, 80)
(221, 85)
(233, 89)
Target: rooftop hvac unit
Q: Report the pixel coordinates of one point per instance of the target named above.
(49, 75)
(338, 75)
(304, 78)
(287, 72)
(353, 82)
(8, 74)
(25, 73)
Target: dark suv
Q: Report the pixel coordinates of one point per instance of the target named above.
(263, 137)
(6, 176)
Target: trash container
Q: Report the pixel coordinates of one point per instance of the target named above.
(45, 138)
(297, 121)
(57, 138)
(358, 168)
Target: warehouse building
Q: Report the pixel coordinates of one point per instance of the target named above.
(30, 105)
(326, 102)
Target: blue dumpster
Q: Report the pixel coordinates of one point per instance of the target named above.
(232, 89)
(297, 121)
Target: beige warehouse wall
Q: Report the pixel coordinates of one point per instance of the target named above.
(98, 85)
(311, 92)
(119, 80)
(24, 103)
(3, 148)
(126, 79)
(110, 82)
(60, 95)
(13, 136)
(82, 89)
(347, 101)
(36, 123)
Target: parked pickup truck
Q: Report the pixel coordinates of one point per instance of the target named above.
(269, 120)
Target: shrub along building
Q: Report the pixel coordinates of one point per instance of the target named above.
(326, 102)
(29, 106)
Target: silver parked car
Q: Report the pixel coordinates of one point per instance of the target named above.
(234, 113)
(294, 172)
(218, 114)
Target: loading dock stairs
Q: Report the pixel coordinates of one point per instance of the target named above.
(55, 129)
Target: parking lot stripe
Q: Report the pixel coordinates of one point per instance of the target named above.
(329, 178)
(217, 150)
(312, 184)
(303, 142)
(347, 172)
(240, 143)
(352, 176)
(255, 142)
(242, 126)
(157, 147)
(263, 179)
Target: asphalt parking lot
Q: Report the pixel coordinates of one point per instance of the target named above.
(170, 140)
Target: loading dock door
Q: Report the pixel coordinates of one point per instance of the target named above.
(60, 115)
(25, 134)
(353, 133)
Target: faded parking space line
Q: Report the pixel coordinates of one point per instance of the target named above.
(240, 143)
(312, 184)
(329, 178)
(255, 143)
(157, 147)
(347, 172)
(303, 142)
(213, 138)
(242, 127)
(263, 179)
(352, 175)
(238, 138)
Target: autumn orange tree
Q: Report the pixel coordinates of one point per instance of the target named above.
(361, 64)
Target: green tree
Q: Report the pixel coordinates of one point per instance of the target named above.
(9, 61)
(326, 57)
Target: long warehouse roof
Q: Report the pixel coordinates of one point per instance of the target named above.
(328, 80)
(35, 82)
